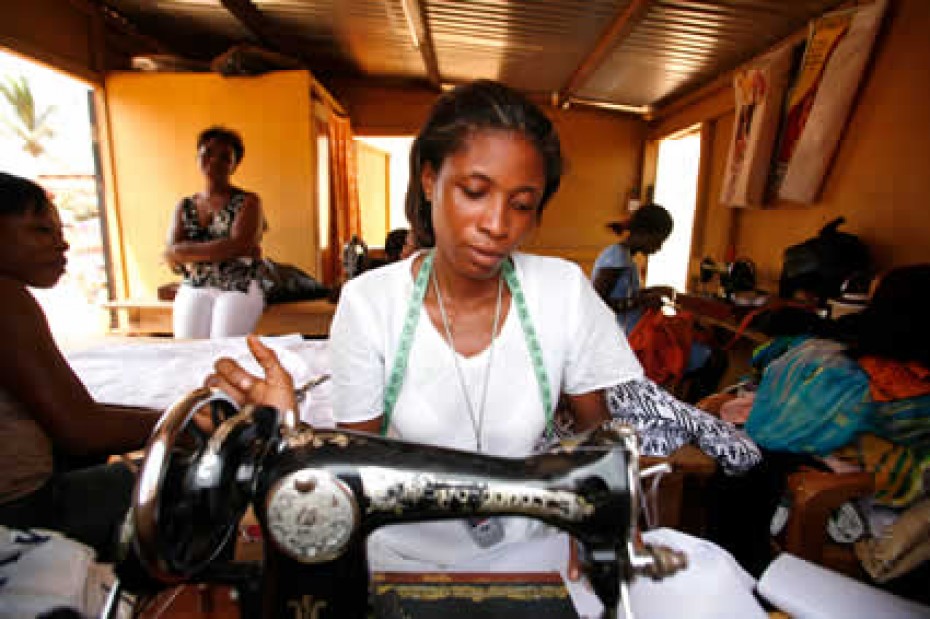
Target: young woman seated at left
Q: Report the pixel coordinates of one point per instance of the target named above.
(46, 414)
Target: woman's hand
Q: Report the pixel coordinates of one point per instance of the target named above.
(275, 389)
(654, 297)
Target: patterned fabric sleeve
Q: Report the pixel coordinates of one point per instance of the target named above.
(664, 424)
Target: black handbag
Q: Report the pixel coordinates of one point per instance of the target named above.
(285, 282)
(820, 265)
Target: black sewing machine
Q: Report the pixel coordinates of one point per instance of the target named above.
(319, 493)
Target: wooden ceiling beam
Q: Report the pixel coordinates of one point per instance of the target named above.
(618, 30)
(418, 24)
(256, 23)
(115, 20)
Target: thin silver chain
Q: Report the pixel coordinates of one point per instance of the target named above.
(477, 421)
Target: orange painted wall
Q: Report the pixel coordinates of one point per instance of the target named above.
(155, 119)
(880, 177)
(603, 153)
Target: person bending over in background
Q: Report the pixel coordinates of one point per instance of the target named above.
(47, 417)
(617, 280)
(615, 274)
(396, 246)
(215, 243)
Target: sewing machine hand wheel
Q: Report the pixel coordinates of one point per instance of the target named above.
(193, 487)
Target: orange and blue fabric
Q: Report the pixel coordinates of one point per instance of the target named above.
(814, 398)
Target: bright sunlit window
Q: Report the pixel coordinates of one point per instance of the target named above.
(676, 190)
(45, 135)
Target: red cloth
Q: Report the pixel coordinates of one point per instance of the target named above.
(891, 380)
(662, 344)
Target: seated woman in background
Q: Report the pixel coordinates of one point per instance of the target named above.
(46, 414)
(616, 279)
(397, 246)
(215, 242)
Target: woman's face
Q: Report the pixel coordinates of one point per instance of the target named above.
(485, 200)
(32, 247)
(217, 159)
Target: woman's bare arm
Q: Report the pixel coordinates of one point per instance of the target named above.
(589, 409)
(372, 426)
(36, 374)
(244, 237)
(605, 278)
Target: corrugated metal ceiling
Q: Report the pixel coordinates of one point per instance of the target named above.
(626, 52)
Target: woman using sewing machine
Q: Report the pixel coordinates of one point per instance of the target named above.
(469, 342)
(492, 347)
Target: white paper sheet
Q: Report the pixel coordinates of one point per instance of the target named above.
(807, 591)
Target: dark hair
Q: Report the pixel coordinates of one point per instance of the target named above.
(651, 218)
(227, 136)
(894, 324)
(394, 243)
(18, 195)
(478, 105)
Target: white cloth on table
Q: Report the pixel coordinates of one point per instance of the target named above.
(583, 351)
(156, 374)
(42, 570)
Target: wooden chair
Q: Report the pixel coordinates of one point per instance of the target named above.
(679, 491)
(814, 496)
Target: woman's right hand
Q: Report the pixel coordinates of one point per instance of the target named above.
(275, 389)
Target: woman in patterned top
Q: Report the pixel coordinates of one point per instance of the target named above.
(215, 242)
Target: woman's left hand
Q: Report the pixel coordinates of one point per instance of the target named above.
(275, 389)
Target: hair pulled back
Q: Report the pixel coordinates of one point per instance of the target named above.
(458, 114)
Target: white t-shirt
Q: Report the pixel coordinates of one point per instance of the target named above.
(583, 350)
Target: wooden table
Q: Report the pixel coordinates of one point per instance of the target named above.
(153, 317)
(717, 312)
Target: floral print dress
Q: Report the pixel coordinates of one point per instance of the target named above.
(235, 274)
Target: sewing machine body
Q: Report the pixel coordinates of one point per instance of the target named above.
(324, 492)
(318, 494)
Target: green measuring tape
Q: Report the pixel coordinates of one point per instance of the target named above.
(399, 369)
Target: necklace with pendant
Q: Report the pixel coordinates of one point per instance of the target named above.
(477, 418)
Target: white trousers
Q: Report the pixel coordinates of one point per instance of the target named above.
(201, 313)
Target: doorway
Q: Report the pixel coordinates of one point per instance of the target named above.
(679, 159)
(393, 178)
(46, 136)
